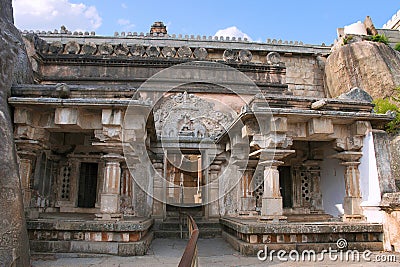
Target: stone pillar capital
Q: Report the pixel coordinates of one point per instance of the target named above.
(348, 156)
(113, 157)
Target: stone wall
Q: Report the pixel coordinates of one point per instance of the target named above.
(305, 75)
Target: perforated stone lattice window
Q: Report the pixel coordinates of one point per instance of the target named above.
(258, 193)
(305, 186)
(65, 185)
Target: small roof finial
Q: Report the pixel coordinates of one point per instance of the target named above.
(158, 27)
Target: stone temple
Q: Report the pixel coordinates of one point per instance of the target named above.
(117, 136)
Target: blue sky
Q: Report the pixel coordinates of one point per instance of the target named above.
(312, 22)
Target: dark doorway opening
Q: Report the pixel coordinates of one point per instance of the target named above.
(87, 185)
(285, 181)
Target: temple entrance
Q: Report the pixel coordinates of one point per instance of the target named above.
(87, 185)
(185, 176)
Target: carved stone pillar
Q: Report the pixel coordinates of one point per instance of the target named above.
(272, 205)
(352, 200)
(159, 189)
(247, 199)
(110, 197)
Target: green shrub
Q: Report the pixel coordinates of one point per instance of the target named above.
(347, 39)
(397, 47)
(381, 38)
(383, 105)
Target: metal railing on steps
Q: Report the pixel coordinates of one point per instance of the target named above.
(189, 257)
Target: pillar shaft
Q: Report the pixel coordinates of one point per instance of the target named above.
(110, 197)
(272, 204)
(352, 200)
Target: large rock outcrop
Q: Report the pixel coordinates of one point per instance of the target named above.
(372, 66)
(14, 68)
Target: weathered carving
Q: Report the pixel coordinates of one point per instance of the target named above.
(137, 50)
(245, 55)
(168, 51)
(230, 55)
(153, 51)
(121, 50)
(72, 47)
(89, 48)
(106, 49)
(188, 115)
(184, 51)
(56, 48)
(200, 53)
(273, 58)
(62, 90)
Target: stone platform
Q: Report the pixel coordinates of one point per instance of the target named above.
(249, 235)
(81, 233)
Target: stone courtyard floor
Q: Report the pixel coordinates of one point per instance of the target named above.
(212, 252)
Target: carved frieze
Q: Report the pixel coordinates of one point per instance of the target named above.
(187, 115)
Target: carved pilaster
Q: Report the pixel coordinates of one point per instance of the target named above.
(214, 172)
(126, 191)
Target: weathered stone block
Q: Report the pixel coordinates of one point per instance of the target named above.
(110, 203)
(280, 124)
(66, 116)
(22, 116)
(253, 239)
(111, 117)
(360, 128)
(320, 127)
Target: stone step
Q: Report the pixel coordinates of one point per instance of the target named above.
(175, 225)
(204, 233)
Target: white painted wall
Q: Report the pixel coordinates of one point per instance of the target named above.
(369, 183)
(332, 183)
